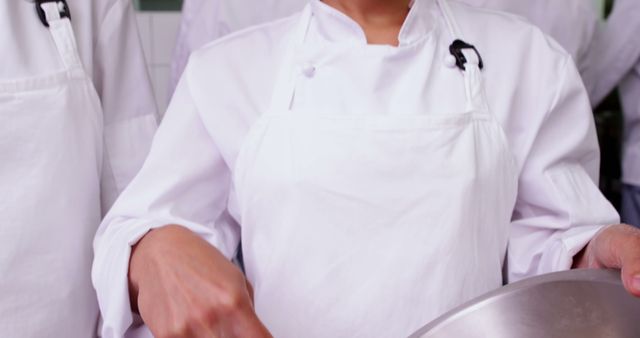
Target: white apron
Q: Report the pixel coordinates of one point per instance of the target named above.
(365, 225)
(51, 151)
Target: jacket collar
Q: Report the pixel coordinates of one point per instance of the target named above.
(336, 26)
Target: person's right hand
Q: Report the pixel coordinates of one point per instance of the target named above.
(185, 288)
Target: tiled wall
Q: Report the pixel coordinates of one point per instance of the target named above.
(158, 32)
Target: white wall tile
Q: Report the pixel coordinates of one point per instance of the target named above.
(144, 27)
(158, 32)
(161, 77)
(165, 27)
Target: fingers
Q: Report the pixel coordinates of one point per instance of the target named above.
(629, 251)
(189, 289)
(239, 319)
(243, 320)
(249, 326)
(229, 319)
(618, 247)
(250, 291)
(247, 322)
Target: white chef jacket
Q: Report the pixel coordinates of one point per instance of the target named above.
(630, 93)
(571, 22)
(111, 53)
(615, 56)
(533, 88)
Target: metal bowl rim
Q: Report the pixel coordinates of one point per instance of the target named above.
(576, 275)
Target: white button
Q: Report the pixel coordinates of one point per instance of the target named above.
(61, 7)
(308, 70)
(450, 61)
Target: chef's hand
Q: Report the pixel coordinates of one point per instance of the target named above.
(185, 288)
(616, 247)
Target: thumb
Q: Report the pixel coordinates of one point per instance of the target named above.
(629, 253)
(631, 274)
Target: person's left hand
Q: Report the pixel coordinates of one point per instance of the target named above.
(615, 247)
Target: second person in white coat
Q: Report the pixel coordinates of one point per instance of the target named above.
(616, 51)
(77, 117)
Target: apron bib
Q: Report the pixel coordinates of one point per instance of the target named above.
(51, 148)
(371, 225)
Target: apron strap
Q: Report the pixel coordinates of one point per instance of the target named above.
(468, 60)
(58, 20)
(62, 7)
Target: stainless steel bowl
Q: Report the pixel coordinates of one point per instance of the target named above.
(577, 303)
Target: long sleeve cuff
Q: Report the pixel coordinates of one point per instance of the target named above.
(111, 267)
(561, 252)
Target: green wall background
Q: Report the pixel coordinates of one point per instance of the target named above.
(158, 5)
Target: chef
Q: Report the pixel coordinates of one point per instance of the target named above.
(377, 158)
(616, 48)
(76, 121)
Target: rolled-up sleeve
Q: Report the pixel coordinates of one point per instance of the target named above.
(559, 206)
(129, 111)
(184, 181)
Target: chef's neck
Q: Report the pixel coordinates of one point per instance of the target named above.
(381, 20)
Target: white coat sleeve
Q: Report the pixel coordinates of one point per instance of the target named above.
(184, 181)
(630, 95)
(559, 206)
(129, 111)
(614, 51)
(584, 36)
